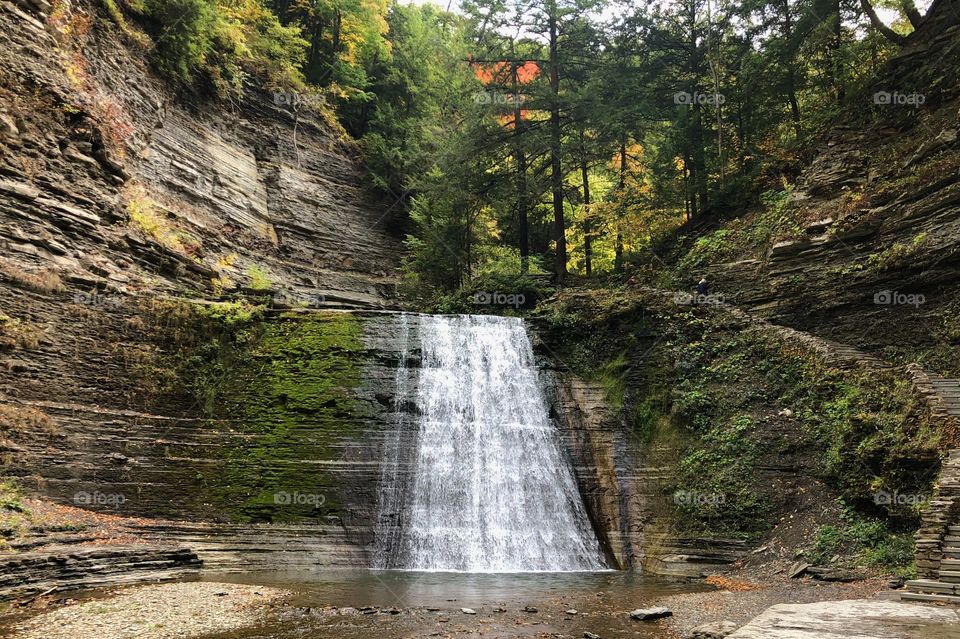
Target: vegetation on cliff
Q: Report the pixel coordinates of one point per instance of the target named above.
(755, 421)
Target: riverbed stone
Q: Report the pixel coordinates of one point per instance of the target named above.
(712, 630)
(649, 614)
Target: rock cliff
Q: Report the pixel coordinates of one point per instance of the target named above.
(112, 182)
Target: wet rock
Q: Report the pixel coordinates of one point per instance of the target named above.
(714, 630)
(649, 614)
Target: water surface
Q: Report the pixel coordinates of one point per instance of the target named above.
(408, 604)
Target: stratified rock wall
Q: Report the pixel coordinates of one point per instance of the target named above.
(116, 183)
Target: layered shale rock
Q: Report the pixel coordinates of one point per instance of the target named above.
(34, 573)
(115, 184)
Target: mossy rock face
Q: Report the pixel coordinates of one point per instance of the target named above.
(294, 401)
(282, 392)
(708, 394)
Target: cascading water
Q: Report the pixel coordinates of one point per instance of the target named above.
(489, 488)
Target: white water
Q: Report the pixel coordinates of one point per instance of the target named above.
(490, 488)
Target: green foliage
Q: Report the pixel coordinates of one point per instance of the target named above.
(858, 539)
(224, 42)
(11, 497)
(896, 255)
(15, 518)
(116, 14)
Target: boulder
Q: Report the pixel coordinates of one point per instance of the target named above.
(649, 614)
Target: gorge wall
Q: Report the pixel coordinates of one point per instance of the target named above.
(871, 228)
(118, 184)
(120, 195)
(256, 438)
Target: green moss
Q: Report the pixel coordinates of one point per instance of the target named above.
(709, 388)
(291, 396)
(284, 387)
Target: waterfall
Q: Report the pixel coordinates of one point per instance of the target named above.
(488, 487)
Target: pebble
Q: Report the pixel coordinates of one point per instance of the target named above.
(468, 611)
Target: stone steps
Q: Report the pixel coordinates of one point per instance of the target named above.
(916, 596)
(931, 590)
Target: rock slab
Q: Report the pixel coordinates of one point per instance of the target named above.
(852, 619)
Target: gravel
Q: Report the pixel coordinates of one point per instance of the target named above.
(156, 612)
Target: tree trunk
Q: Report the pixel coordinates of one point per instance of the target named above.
(715, 72)
(878, 24)
(585, 175)
(912, 13)
(621, 188)
(521, 159)
(556, 174)
(791, 73)
(699, 159)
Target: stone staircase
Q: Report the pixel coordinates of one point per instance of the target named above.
(938, 540)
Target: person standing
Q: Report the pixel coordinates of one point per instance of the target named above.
(702, 287)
